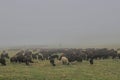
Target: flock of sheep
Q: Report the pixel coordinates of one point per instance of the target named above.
(65, 55)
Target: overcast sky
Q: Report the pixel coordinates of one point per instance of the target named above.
(69, 23)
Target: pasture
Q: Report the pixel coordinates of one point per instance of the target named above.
(42, 70)
(107, 69)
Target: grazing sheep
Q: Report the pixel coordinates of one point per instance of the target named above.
(52, 60)
(64, 60)
(3, 61)
(91, 61)
(13, 59)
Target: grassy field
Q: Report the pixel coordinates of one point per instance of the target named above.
(42, 70)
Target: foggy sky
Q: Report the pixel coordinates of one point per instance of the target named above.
(65, 23)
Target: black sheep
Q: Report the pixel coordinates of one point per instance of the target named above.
(91, 61)
(52, 60)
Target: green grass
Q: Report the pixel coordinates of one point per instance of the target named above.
(42, 70)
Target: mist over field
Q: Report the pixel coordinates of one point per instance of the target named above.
(60, 23)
